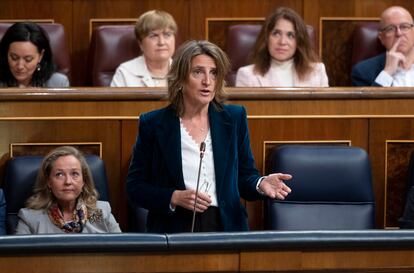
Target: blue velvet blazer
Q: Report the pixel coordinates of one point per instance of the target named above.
(156, 172)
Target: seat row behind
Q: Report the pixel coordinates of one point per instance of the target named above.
(112, 45)
(331, 189)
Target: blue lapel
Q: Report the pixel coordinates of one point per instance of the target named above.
(221, 129)
(169, 138)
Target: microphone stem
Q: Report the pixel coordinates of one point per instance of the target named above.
(202, 149)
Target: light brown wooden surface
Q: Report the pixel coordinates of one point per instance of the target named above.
(298, 260)
(123, 262)
(337, 261)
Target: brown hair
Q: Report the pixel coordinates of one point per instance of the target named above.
(304, 56)
(43, 198)
(152, 20)
(180, 71)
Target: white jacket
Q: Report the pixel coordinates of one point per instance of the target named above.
(134, 73)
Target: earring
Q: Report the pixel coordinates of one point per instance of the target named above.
(38, 67)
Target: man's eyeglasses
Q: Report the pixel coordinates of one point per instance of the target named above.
(391, 29)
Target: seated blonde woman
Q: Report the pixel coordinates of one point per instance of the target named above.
(65, 198)
(155, 31)
(283, 55)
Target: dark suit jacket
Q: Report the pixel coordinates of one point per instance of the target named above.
(155, 171)
(365, 72)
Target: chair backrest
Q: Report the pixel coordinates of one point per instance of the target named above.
(240, 45)
(137, 219)
(20, 177)
(2, 213)
(365, 42)
(110, 46)
(331, 189)
(58, 44)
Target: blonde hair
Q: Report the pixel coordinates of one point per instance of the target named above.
(42, 197)
(152, 20)
(180, 71)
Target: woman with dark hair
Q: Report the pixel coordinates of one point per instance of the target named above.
(283, 55)
(194, 155)
(26, 58)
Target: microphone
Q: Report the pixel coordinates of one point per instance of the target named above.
(202, 150)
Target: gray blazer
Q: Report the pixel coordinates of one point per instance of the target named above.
(57, 80)
(37, 221)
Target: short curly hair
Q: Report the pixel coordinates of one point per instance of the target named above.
(152, 20)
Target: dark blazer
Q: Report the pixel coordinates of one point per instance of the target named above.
(57, 80)
(155, 171)
(364, 73)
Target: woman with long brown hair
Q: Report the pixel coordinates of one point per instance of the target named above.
(283, 55)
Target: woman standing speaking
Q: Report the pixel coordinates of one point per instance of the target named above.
(165, 168)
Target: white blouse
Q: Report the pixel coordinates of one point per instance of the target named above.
(284, 72)
(190, 154)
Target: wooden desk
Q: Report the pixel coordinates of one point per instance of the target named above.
(380, 120)
(317, 251)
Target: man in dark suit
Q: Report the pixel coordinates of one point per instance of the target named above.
(395, 67)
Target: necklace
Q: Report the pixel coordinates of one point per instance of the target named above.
(191, 126)
(194, 127)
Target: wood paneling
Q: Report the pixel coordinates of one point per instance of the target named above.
(127, 262)
(129, 135)
(392, 259)
(367, 117)
(60, 11)
(315, 9)
(336, 54)
(42, 149)
(381, 131)
(397, 159)
(316, 261)
(232, 9)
